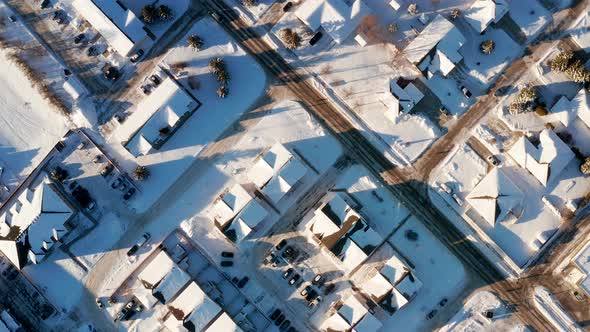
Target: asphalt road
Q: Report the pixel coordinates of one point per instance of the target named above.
(400, 185)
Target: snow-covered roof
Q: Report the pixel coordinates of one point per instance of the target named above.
(566, 111)
(230, 204)
(409, 285)
(495, 196)
(352, 310)
(337, 18)
(483, 12)
(369, 323)
(365, 237)
(546, 161)
(287, 177)
(440, 33)
(406, 97)
(335, 323)
(581, 31)
(351, 255)
(145, 296)
(74, 88)
(173, 324)
(396, 299)
(377, 287)
(42, 213)
(163, 108)
(394, 269)
(322, 226)
(171, 284)
(223, 323)
(269, 164)
(202, 315)
(190, 298)
(239, 230)
(119, 26)
(9, 322)
(339, 211)
(252, 214)
(156, 269)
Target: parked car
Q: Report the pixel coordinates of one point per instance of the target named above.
(243, 282)
(294, 279)
(227, 263)
(287, 6)
(136, 56)
(216, 17)
(99, 303)
(315, 38)
(227, 254)
(112, 73)
(92, 51)
(123, 186)
(79, 38)
(91, 206)
(45, 4)
(155, 79)
(288, 251)
(141, 242)
(318, 279)
(279, 319)
(281, 244)
(314, 302)
(119, 117)
(493, 160)
(12, 18)
(97, 159)
(305, 290)
(287, 273)
(431, 314)
(145, 89)
(443, 302)
(106, 170)
(129, 193)
(465, 91)
(311, 295)
(275, 314)
(117, 183)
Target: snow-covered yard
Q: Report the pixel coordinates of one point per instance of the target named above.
(260, 7)
(29, 128)
(530, 16)
(213, 116)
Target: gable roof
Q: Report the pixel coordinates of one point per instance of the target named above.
(439, 31)
(171, 284)
(566, 111)
(352, 310)
(546, 161)
(483, 12)
(269, 164)
(156, 269)
(337, 18)
(495, 196)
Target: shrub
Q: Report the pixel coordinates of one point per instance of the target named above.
(165, 13)
(149, 14)
(413, 9)
(487, 46)
(141, 172)
(290, 38)
(195, 42)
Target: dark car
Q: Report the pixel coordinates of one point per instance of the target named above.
(279, 319)
(285, 325)
(465, 91)
(129, 193)
(281, 244)
(227, 254)
(112, 73)
(275, 314)
(315, 38)
(106, 170)
(311, 295)
(44, 4)
(227, 263)
(305, 290)
(294, 279)
(117, 183)
(243, 282)
(287, 273)
(136, 56)
(287, 6)
(431, 314)
(92, 51)
(155, 79)
(288, 251)
(501, 91)
(142, 241)
(443, 302)
(79, 38)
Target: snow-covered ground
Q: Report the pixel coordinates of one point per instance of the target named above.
(260, 7)
(547, 304)
(471, 317)
(530, 16)
(29, 128)
(215, 114)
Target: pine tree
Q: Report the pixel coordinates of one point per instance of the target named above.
(141, 172)
(291, 38)
(149, 14)
(195, 42)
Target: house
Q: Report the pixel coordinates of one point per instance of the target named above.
(566, 111)
(352, 315)
(495, 197)
(202, 315)
(482, 13)
(157, 117)
(223, 323)
(122, 29)
(436, 49)
(229, 204)
(582, 261)
(268, 164)
(284, 182)
(243, 224)
(338, 19)
(156, 270)
(402, 94)
(581, 32)
(171, 284)
(546, 161)
(35, 221)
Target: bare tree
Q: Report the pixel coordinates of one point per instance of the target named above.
(487, 46)
(291, 39)
(222, 91)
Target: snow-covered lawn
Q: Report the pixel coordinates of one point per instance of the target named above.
(470, 316)
(530, 16)
(447, 90)
(29, 128)
(60, 279)
(441, 273)
(486, 68)
(210, 120)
